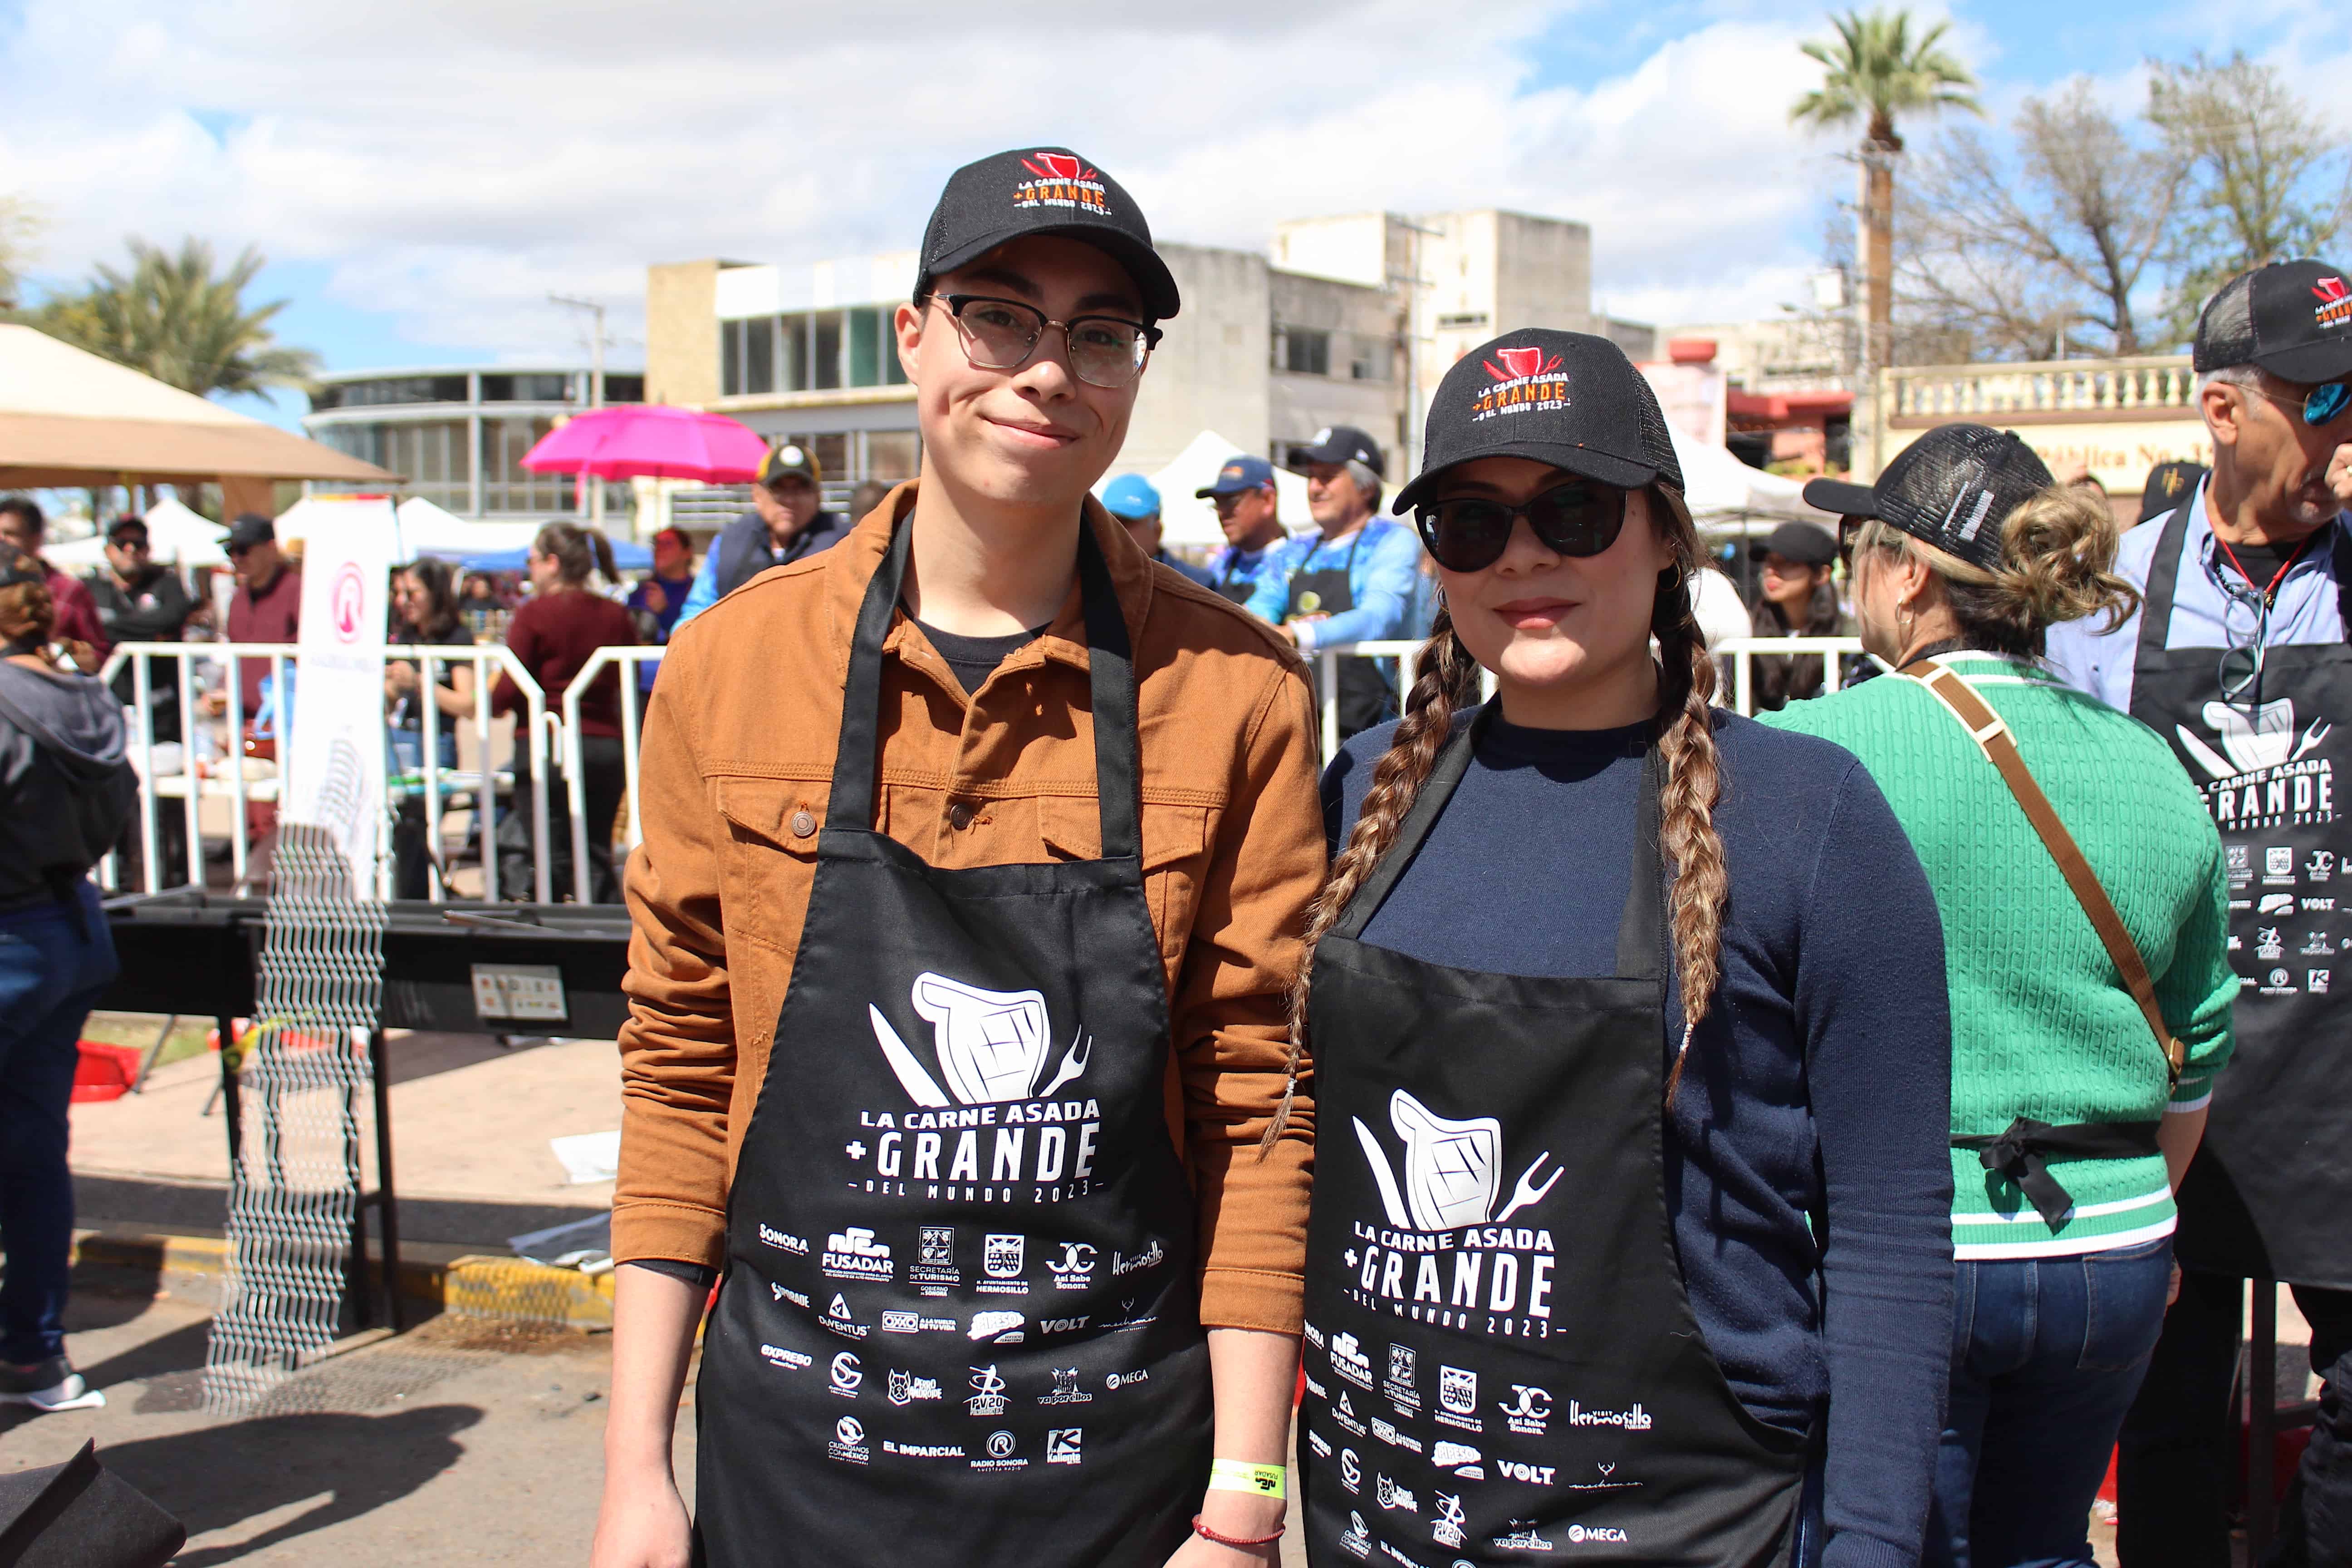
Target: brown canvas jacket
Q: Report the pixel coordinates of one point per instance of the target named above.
(737, 758)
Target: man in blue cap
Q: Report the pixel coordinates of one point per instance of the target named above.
(1244, 495)
(1131, 499)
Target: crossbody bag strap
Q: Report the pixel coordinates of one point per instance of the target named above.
(1994, 737)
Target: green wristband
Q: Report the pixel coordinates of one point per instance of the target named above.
(1259, 1480)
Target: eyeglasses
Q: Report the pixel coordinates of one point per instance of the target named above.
(1469, 533)
(2322, 405)
(2245, 622)
(128, 543)
(1001, 334)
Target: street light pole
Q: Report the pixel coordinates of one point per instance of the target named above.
(595, 393)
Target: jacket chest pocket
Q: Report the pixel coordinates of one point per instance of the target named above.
(1175, 855)
(768, 863)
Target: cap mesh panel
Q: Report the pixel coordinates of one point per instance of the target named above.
(2225, 331)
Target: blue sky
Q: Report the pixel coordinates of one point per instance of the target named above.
(423, 174)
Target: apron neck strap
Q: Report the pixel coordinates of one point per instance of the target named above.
(2163, 571)
(1110, 668)
(1640, 932)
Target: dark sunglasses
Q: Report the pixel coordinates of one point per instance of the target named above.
(1469, 533)
(2322, 405)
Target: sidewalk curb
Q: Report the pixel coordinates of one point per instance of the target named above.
(471, 1285)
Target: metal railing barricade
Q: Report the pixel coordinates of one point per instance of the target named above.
(487, 662)
(1740, 654)
(630, 660)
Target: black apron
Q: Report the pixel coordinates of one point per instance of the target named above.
(959, 1322)
(1239, 593)
(2269, 1195)
(1366, 698)
(1502, 1363)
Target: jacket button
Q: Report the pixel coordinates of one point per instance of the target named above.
(802, 823)
(960, 815)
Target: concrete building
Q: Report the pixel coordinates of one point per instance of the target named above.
(1327, 328)
(457, 436)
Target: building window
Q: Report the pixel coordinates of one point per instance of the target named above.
(1305, 352)
(760, 355)
(730, 358)
(866, 347)
(825, 350)
(1371, 360)
(551, 387)
(818, 350)
(508, 487)
(624, 388)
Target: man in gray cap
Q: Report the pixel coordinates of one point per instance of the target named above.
(2239, 657)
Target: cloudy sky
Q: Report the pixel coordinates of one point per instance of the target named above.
(422, 175)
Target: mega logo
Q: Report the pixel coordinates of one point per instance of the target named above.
(1525, 378)
(1577, 1534)
(2335, 299)
(1060, 180)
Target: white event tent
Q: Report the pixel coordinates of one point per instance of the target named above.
(1186, 520)
(1721, 489)
(424, 528)
(177, 535)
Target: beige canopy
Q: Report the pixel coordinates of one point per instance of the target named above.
(67, 417)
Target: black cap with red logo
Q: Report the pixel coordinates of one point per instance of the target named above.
(1568, 399)
(1049, 191)
(2293, 318)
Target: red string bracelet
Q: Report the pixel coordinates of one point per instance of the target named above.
(1205, 1534)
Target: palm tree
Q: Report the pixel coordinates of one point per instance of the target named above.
(174, 318)
(1876, 72)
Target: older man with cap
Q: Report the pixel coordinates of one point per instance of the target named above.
(1350, 581)
(787, 521)
(1249, 512)
(1135, 501)
(2239, 658)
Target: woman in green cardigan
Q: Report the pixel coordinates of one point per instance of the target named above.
(2062, 1232)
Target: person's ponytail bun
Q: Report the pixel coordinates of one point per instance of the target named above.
(2058, 552)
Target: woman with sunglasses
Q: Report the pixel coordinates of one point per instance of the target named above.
(1629, 1050)
(2240, 658)
(2080, 1069)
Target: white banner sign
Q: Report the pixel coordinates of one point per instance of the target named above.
(336, 762)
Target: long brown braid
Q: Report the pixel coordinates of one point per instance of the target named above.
(1446, 682)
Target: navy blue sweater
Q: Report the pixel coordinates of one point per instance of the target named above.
(1815, 1102)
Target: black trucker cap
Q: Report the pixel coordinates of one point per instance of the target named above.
(1053, 191)
(1806, 543)
(250, 528)
(1568, 399)
(2293, 318)
(1953, 488)
(1342, 444)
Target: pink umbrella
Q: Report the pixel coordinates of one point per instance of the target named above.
(650, 441)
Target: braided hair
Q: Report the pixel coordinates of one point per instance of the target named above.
(1446, 684)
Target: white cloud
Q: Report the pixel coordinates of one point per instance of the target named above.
(453, 164)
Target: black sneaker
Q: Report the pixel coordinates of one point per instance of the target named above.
(46, 1386)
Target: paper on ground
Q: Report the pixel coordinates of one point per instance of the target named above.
(589, 1156)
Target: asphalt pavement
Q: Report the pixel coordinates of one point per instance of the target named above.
(461, 1442)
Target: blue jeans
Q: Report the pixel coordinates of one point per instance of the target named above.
(56, 960)
(2047, 1353)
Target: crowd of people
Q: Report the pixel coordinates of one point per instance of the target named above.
(1821, 1139)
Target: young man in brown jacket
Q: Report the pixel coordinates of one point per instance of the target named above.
(977, 850)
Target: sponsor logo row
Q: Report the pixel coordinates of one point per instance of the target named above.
(999, 1452)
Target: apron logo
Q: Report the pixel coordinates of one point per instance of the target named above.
(2264, 775)
(992, 1046)
(1119, 1380)
(1577, 1534)
(1065, 1389)
(786, 1293)
(997, 1328)
(905, 1387)
(1521, 1535)
(1344, 1412)
(1393, 1496)
(792, 1360)
(1459, 1458)
(1000, 1453)
(1351, 1471)
(1074, 1269)
(836, 1317)
(1064, 1445)
(846, 1377)
(988, 1391)
(854, 1254)
(1534, 1475)
(1399, 1386)
(1359, 1539)
(1446, 1528)
(1457, 1398)
(848, 1443)
(1527, 1409)
(1002, 1256)
(1451, 1169)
